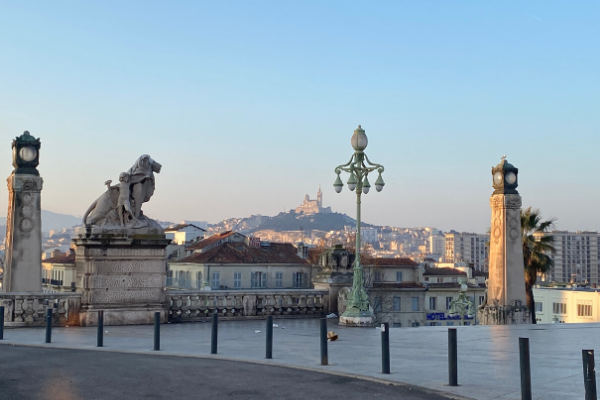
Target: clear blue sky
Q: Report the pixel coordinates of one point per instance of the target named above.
(249, 105)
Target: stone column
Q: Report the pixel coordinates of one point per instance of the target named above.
(123, 275)
(506, 301)
(23, 258)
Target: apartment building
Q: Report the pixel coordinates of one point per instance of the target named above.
(468, 247)
(577, 258)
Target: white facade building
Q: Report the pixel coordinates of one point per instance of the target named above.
(437, 246)
(567, 305)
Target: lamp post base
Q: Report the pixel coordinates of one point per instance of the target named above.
(357, 318)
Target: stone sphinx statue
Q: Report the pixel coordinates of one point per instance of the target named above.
(120, 207)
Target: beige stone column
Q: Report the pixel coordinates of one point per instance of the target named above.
(506, 270)
(23, 259)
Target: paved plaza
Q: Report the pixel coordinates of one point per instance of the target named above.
(488, 356)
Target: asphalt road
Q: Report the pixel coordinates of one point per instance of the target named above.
(58, 374)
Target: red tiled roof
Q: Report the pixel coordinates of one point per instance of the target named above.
(443, 271)
(450, 285)
(391, 262)
(239, 253)
(62, 259)
(181, 226)
(398, 285)
(211, 240)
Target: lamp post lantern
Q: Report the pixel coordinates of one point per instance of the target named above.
(357, 311)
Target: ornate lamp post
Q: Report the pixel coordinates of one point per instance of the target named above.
(357, 310)
(463, 305)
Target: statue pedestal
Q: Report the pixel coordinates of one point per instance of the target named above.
(360, 318)
(332, 281)
(123, 275)
(515, 314)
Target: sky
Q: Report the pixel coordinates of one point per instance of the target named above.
(250, 105)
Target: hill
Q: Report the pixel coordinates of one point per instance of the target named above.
(54, 221)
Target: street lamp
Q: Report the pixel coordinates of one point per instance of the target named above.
(463, 305)
(357, 310)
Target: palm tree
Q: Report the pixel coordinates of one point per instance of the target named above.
(538, 247)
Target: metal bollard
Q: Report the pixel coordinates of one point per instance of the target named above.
(1, 322)
(385, 348)
(157, 331)
(48, 325)
(100, 335)
(214, 333)
(589, 374)
(525, 369)
(269, 336)
(452, 358)
(324, 358)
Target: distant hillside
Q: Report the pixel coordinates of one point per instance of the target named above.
(54, 221)
(289, 221)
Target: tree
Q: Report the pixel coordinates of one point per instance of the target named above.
(538, 247)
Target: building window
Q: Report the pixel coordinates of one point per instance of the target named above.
(396, 325)
(415, 324)
(378, 276)
(396, 303)
(198, 280)
(297, 278)
(432, 324)
(259, 280)
(559, 308)
(279, 279)
(432, 303)
(215, 280)
(237, 280)
(377, 304)
(415, 303)
(584, 308)
(448, 300)
(449, 323)
(539, 307)
(398, 276)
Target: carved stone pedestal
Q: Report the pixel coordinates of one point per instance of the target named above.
(123, 275)
(514, 314)
(333, 282)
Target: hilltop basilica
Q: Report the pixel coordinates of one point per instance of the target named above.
(313, 206)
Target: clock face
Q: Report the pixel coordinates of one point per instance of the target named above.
(28, 153)
(498, 178)
(511, 178)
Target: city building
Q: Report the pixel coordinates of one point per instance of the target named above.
(408, 294)
(58, 272)
(471, 248)
(182, 234)
(437, 247)
(242, 265)
(313, 206)
(569, 304)
(214, 241)
(577, 257)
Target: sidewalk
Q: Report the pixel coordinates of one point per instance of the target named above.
(488, 356)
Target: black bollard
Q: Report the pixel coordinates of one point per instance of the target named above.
(100, 335)
(525, 369)
(214, 333)
(385, 348)
(324, 358)
(589, 374)
(157, 331)
(48, 325)
(1, 322)
(452, 358)
(270, 336)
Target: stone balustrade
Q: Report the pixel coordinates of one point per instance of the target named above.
(29, 309)
(197, 305)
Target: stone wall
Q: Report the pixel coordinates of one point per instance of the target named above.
(196, 305)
